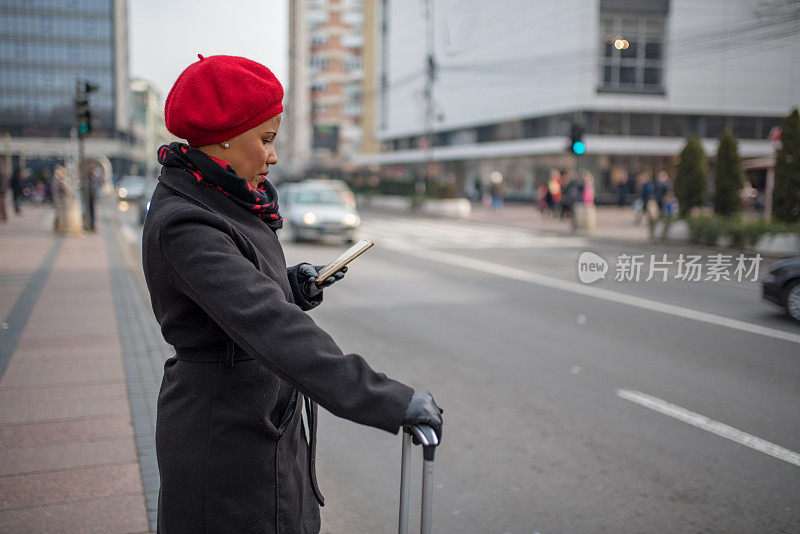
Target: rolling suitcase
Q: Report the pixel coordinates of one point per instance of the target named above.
(428, 439)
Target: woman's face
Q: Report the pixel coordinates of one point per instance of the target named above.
(252, 152)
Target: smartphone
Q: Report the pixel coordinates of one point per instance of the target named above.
(349, 255)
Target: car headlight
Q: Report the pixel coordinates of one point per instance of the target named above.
(123, 192)
(309, 218)
(351, 219)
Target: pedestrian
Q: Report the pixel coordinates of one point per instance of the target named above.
(232, 450)
(587, 188)
(570, 193)
(660, 189)
(478, 190)
(62, 198)
(622, 191)
(496, 190)
(4, 181)
(646, 204)
(16, 188)
(554, 191)
(541, 199)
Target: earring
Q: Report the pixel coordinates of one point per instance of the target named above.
(226, 145)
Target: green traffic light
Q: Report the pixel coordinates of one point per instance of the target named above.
(83, 128)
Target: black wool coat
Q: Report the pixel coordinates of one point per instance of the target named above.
(232, 450)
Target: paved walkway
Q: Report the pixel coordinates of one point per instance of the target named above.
(68, 457)
(612, 222)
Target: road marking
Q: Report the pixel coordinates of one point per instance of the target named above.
(596, 292)
(715, 427)
(17, 319)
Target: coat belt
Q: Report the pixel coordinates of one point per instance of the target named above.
(226, 352)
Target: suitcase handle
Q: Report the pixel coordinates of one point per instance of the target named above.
(427, 437)
(429, 440)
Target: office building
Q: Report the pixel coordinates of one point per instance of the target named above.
(47, 47)
(510, 78)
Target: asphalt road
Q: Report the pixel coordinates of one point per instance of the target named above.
(568, 407)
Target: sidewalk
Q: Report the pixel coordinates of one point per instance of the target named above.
(613, 223)
(68, 458)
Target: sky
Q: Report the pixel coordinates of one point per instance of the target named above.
(165, 36)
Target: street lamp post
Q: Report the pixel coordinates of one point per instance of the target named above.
(430, 69)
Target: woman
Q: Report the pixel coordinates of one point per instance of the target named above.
(232, 450)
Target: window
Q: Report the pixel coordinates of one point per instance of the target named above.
(715, 125)
(642, 124)
(631, 52)
(673, 126)
(352, 108)
(319, 85)
(319, 64)
(319, 40)
(353, 64)
(745, 127)
(609, 123)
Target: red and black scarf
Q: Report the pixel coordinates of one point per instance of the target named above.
(218, 173)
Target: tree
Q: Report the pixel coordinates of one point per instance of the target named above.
(786, 195)
(729, 178)
(692, 176)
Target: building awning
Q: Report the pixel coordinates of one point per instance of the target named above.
(595, 145)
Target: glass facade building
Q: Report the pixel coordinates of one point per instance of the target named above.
(45, 45)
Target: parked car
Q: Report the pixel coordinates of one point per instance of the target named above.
(781, 285)
(132, 188)
(313, 209)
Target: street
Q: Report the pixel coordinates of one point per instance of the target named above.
(565, 404)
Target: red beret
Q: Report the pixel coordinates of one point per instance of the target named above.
(220, 97)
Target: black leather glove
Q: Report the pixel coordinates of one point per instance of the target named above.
(423, 410)
(309, 273)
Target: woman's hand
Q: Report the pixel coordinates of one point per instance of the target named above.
(310, 272)
(422, 409)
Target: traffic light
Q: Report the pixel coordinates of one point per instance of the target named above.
(83, 114)
(576, 144)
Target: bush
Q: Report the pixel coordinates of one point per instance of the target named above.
(435, 189)
(395, 186)
(786, 195)
(729, 177)
(707, 229)
(692, 176)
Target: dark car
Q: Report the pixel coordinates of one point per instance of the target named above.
(781, 285)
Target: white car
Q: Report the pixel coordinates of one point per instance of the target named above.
(314, 209)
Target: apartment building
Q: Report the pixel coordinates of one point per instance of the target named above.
(324, 100)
